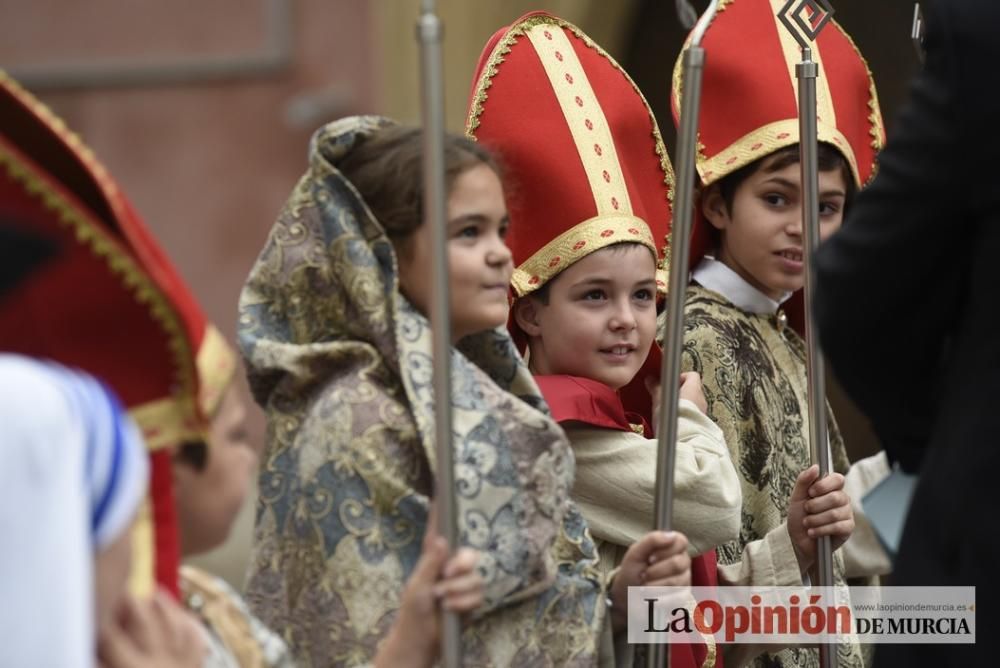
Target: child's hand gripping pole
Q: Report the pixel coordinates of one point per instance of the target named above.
(805, 28)
(680, 236)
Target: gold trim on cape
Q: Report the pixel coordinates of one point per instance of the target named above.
(167, 422)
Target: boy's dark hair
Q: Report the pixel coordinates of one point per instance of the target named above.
(829, 159)
(386, 169)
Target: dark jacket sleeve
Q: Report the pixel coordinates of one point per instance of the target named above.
(889, 283)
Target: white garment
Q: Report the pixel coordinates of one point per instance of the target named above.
(73, 471)
(717, 277)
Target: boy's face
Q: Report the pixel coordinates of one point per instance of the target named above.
(208, 500)
(761, 236)
(600, 318)
(480, 263)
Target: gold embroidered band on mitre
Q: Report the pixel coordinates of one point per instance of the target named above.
(578, 242)
(766, 140)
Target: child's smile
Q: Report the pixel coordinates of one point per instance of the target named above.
(599, 319)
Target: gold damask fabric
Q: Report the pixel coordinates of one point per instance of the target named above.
(235, 638)
(340, 361)
(754, 378)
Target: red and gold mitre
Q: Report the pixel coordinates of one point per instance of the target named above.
(585, 163)
(749, 104)
(109, 303)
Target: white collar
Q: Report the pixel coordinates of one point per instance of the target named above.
(716, 276)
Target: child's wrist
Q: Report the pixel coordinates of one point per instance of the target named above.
(805, 562)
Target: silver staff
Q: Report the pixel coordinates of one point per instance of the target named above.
(429, 32)
(805, 30)
(680, 240)
(917, 32)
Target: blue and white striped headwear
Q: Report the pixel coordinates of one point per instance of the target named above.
(73, 474)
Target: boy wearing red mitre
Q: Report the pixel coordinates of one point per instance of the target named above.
(743, 308)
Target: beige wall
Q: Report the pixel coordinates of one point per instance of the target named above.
(468, 25)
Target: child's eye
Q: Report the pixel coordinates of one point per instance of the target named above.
(828, 208)
(468, 232)
(504, 228)
(775, 199)
(643, 294)
(593, 295)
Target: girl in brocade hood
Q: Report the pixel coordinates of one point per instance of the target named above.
(333, 328)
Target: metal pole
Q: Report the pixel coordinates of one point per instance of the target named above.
(805, 31)
(429, 32)
(807, 71)
(680, 239)
(917, 32)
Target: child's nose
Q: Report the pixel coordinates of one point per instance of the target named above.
(794, 225)
(498, 253)
(623, 317)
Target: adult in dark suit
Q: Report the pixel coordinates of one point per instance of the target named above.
(908, 308)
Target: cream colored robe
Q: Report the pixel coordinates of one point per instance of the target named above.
(615, 489)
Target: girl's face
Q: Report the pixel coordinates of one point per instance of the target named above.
(480, 262)
(761, 238)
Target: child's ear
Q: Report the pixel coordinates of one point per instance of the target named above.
(526, 315)
(713, 207)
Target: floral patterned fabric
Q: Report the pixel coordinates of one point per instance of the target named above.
(340, 362)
